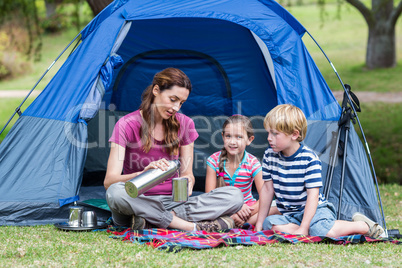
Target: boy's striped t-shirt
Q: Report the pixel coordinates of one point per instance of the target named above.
(244, 175)
(292, 176)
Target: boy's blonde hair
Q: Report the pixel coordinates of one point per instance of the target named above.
(287, 118)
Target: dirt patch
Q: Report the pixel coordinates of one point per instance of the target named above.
(389, 97)
(17, 93)
(363, 96)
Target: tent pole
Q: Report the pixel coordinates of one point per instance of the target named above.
(18, 109)
(361, 130)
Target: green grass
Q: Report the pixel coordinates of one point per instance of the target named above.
(8, 107)
(382, 125)
(344, 41)
(49, 247)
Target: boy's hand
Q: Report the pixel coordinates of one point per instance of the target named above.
(301, 231)
(258, 227)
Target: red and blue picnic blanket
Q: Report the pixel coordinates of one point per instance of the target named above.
(174, 240)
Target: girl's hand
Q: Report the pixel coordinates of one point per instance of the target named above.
(238, 222)
(162, 164)
(245, 212)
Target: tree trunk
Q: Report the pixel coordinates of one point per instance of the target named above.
(51, 6)
(381, 20)
(381, 40)
(381, 51)
(98, 5)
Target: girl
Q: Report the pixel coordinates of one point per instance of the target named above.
(234, 166)
(146, 139)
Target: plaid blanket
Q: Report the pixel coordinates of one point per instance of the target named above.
(174, 240)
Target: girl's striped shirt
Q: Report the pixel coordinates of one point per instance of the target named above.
(244, 175)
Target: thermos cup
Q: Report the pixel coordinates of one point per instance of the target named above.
(180, 190)
(150, 178)
(75, 217)
(89, 219)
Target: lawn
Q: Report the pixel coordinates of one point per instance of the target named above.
(343, 37)
(47, 246)
(382, 125)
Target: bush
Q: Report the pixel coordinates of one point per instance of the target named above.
(13, 44)
(52, 24)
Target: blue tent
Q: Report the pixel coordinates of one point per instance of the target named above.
(243, 57)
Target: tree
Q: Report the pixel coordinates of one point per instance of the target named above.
(51, 6)
(11, 9)
(381, 20)
(98, 5)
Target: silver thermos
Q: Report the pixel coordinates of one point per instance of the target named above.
(150, 178)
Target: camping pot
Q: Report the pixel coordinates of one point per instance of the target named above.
(89, 219)
(150, 178)
(75, 217)
(180, 190)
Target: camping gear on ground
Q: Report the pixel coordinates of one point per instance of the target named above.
(75, 217)
(180, 190)
(242, 57)
(80, 220)
(150, 178)
(89, 219)
(66, 227)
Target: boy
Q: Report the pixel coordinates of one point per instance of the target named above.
(292, 172)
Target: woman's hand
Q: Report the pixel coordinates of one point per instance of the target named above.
(190, 186)
(162, 164)
(186, 167)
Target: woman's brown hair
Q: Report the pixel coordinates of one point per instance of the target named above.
(165, 79)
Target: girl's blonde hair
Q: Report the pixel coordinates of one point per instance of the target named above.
(287, 118)
(165, 80)
(248, 127)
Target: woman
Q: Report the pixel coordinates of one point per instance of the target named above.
(148, 138)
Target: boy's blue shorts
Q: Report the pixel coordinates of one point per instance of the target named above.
(322, 222)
